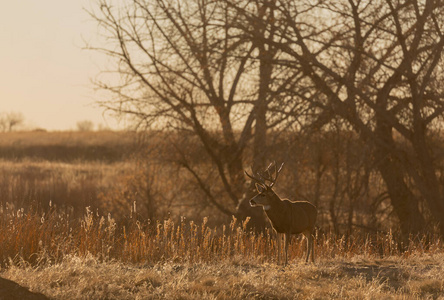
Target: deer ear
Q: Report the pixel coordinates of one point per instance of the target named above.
(260, 188)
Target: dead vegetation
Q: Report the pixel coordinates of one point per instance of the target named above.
(109, 146)
(416, 277)
(98, 259)
(51, 244)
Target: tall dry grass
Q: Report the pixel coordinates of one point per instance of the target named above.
(417, 277)
(33, 238)
(95, 258)
(100, 170)
(103, 186)
(52, 244)
(31, 184)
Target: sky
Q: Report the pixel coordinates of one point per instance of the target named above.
(45, 74)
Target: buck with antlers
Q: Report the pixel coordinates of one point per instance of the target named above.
(287, 217)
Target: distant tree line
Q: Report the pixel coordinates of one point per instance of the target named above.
(235, 75)
(10, 120)
(85, 125)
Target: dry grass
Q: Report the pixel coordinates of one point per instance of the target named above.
(103, 186)
(417, 277)
(71, 169)
(34, 238)
(67, 146)
(97, 259)
(68, 138)
(34, 184)
(83, 253)
(48, 238)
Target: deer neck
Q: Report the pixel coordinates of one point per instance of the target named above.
(274, 201)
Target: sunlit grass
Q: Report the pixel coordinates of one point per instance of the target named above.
(51, 243)
(32, 184)
(68, 138)
(95, 257)
(35, 238)
(87, 278)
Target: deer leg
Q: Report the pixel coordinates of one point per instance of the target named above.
(278, 241)
(312, 249)
(309, 244)
(287, 242)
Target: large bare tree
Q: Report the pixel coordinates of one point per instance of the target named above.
(193, 67)
(227, 71)
(377, 65)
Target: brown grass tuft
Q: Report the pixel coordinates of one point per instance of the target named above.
(88, 278)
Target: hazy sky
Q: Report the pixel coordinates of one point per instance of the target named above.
(44, 72)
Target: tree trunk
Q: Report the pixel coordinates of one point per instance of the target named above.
(404, 202)
(257, 217)
(427, 181)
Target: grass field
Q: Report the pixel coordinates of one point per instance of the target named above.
(415, 277)
(107, 146)
(97, 259)
(70, 229)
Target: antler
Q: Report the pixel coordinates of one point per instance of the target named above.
(276, 173)
(264, 177)
(269, 177)
(259, 180)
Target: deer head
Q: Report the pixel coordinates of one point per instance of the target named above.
(265, 191)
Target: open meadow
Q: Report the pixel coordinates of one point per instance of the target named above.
(97, 259)
(81, 226)
(246, 122)
(417, 277)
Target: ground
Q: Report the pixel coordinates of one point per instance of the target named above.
(415, 277)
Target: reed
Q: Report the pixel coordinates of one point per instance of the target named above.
(36, 239)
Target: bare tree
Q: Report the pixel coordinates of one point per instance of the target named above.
(226, 72)
(188, 66)
(3, 122)
(10, 120)
(85, 125)
(377, 65)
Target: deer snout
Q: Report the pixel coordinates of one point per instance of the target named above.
(253, 203)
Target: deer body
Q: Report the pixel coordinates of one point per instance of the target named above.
(286, 217)
(291, 217)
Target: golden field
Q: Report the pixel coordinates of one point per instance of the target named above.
(77, 227)
(96, 259)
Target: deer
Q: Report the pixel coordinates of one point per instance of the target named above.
(286, 217)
